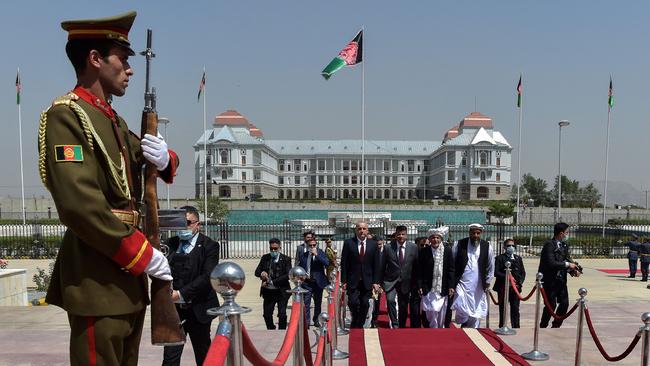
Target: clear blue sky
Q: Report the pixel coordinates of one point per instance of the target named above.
(426, 62)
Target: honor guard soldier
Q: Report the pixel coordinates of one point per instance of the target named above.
(91, 164)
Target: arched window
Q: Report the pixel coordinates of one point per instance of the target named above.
(346, 194)
(354, 193)
(482, 192)
(224, 156)
(386, 193)
(289, 194)
(450, 191)
(224, 174)
(305, 194)
(483, 158)
(371, 194)
(321, 193)
(482, 175)
(329, 193)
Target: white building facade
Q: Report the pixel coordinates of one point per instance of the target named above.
(473, 161)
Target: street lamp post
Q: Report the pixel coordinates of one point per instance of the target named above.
(165, 121)
(561, 124)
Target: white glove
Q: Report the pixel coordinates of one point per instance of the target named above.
(155, 151)
(158, 266)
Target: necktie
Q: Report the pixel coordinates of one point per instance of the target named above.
(185, 244)
(362, 250)
(401, 255)
(309, 266)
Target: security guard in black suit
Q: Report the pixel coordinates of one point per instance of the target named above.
(644, 253)
(633, 255)
(273, 270)
(192, 257)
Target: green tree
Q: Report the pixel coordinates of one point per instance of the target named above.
(217, 210)
(536, 189)
(501, 210)
(575, 196)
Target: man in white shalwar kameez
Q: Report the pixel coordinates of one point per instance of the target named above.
(474, 267)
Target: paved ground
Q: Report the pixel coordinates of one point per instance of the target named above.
(39, 335)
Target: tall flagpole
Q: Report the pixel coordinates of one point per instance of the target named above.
(205, 154)
(609, 114)
(363, 128)
(521, 109)
(20, 144)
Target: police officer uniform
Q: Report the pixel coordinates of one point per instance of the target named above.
(644, 253)
(91, 164)
(633, 255)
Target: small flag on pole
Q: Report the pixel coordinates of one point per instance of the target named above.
(610, 99)
(350, 55)
(18, 87)
(519, 90)
(201, 87)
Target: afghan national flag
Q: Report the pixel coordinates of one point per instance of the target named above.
(352, 54)
(519, 90)
(610, 99)
(18, 87)
(201, 87)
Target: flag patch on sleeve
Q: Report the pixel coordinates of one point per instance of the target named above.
(68, 153)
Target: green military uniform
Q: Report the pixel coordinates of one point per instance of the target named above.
(91, 163)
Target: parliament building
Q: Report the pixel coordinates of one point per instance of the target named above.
(472, 162)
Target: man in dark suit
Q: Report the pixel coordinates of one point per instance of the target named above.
(302, 247)
(273, 270)
(314, 262)
(436, 277)
(644, 253)
(359, 261)
(398, 278)
(192, 257)
(519, 274)
(555, 263)
(633, 254)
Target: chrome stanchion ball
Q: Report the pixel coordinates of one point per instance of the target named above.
(227, 277)
(582, 292)
(645, 317)
(323, 319)
(297, 275)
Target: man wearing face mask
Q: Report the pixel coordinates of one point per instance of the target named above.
(192, 257)
(273, 270)
(519, 274)
(555, 263)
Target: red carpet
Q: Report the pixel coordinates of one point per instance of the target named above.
(422, 346)
(617, 271)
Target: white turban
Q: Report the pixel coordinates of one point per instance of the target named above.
(476, 226)
(439, 231)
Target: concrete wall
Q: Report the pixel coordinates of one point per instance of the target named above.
(13, 287)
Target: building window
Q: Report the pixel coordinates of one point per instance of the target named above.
(411, 165)
(243, 189)
(386, 180)
(243, 175)
(346, 165)
(418, 167)
(280, 180)
(386, 165)
(296, 180)
(498, 177)
(224, 156)
(304, 167)
(498, 161)
(451, 158)
(482, 175)
(483, 158)
(321, 179)
(482, 192)
(451, 175)
(463, 177)
(281, 164)
(355, 165)
(296, 162)
(402, 167)
(329, 179)
(498, 190)
(355, 179)
(410, 180)
(450, 191)
(288, 167)
(346, 179)
(321, 165)
(463, 161)
(243, 160)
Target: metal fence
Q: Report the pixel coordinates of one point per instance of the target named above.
(250, 241)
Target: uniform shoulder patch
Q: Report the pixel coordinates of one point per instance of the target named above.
(64, 153)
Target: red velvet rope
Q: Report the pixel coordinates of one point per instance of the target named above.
(254, 357)
(514, 287)
(307, 346)
(609, 358)
(550, 311)
(218, 351)
(320, 351)
(495, 301)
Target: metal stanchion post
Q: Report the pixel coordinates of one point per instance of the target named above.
(581, 319)
(487, 316)
(505, 329)
(339, 317)
(336, 353)
(323, 319)
(645, 345)
(535, 354)
(228, 279)
(297, 275)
